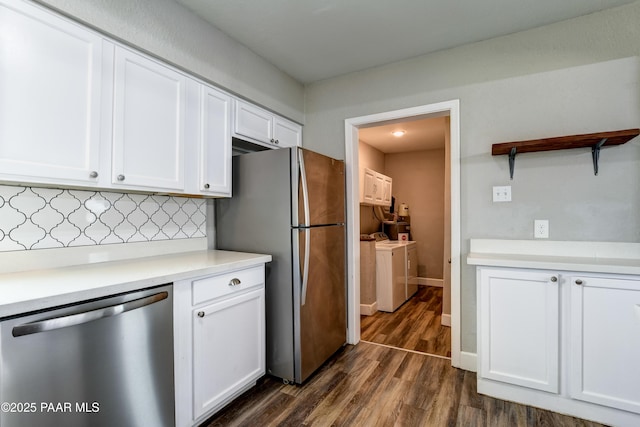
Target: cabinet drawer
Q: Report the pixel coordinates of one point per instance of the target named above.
(211, 287)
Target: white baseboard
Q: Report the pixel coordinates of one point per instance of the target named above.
(469, 361)
(445, 320)
(425, 281)
(368, 309)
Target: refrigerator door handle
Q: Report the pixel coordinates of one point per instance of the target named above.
(305, 267)
(305, 189)
(307, 236)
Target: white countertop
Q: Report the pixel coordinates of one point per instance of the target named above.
(26, 291)
(593, 257)
(389, 245)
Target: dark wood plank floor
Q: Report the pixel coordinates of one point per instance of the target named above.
(415, 325)
(373, 385)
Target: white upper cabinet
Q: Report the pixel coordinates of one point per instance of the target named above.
(262, 126)
(253, 122)
(387, 183)
(286, 133)
(50, 86)
(81, 110)
(214, 143)
(148, 124)
(376, 188)
(369, 189)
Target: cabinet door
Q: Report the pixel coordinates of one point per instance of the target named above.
(518, 327)
(386, 190)
(148, 128)
(605, 341)
(253, 122)
(50, 79)
(228, 348)
(369, 187)
(391, 279)
(412, 270)
(378, 189)
(286, 133)
(215, 143)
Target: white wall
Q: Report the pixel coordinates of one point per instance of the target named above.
(418, 181)
(498, 107)
(173, 33)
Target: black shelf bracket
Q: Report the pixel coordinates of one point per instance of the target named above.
(512, 161)
(595, 154)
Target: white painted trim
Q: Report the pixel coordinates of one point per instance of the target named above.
(353, 230)
(426, 281)
(445, 320)
(451, 108)
(369, 309)
(468, 361)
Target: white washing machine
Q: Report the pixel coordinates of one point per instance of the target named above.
(396, 271)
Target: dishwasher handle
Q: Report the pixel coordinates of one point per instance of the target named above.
(85, 317)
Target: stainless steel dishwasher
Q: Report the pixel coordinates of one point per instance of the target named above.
(105, 362)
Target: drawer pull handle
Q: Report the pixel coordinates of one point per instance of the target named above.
(554, 279)
(93, 174)
(234, 282)
(201, 314)
(578, 281)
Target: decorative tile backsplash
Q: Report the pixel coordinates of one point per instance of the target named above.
(38, 218)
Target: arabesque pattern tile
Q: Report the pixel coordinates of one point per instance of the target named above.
(38, 218)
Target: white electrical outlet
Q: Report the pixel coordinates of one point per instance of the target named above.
(541, 229)
(502, 194)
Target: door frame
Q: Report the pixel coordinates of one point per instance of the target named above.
(452, 109)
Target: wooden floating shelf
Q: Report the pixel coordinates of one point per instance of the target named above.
(593, 140)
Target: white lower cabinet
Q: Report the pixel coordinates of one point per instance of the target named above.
(564, 341)
(605, 341)
(226, 350)
(219, 336)
(519, 325)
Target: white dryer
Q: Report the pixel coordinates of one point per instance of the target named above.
(396, 272)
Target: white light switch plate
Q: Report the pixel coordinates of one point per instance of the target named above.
(541, 229)
(502, 193)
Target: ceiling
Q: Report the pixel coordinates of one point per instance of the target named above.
(313, 40)
(422, 134)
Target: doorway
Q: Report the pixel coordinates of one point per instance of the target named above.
(413, 154)
(352, 127)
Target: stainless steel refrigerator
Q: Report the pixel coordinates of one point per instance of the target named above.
(290, 203)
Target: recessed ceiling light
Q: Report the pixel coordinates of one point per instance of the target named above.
(398, 133)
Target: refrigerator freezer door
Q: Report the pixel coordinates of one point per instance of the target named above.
(322, 179)
(322, 327)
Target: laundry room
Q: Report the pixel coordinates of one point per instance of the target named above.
(403, 225)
